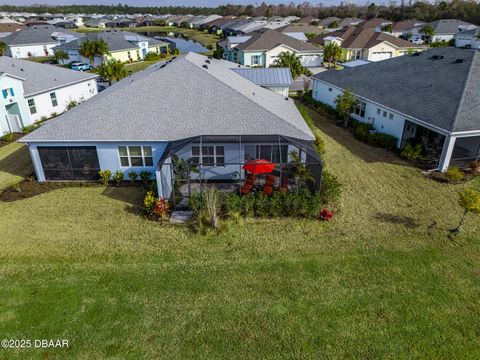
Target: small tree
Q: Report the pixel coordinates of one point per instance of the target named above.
(388, 28)
(469, 200)
(345, 105)
(91, 48)
(429, 31)
(3, 48)
(332, 52)
(61, 55)
(290, 60)
(112, 70)
(333, 25)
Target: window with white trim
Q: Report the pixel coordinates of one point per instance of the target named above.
(379, 111)
(384, 114)
(208, 155)
(31, 106)
(135, 156)
(255, 59)
(360, 107)
(53, 98)
(390, 116)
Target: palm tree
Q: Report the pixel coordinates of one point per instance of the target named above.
(112, 70)
(91, 48)
(61, 55)
(3, 48)
(332, 52)
(291, 61)
(429, 31)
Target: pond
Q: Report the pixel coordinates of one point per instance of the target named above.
(182, 43)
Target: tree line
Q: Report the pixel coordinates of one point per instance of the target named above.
(467, 10)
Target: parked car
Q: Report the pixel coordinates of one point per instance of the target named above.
(80, 66)
(417, 40)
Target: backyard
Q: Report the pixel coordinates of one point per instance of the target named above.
(384, 279)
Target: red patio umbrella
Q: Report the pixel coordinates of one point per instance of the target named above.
(259, 166)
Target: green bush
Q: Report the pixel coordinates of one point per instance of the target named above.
(118, 177)
(331, 188)
(410, 152)
(151, 56)
(133, 175)
(365, 132)
(454, 174)
(29, 128)
(149, 203)
(105, 176)
(8, 137)
(145, 176)
(319, 143)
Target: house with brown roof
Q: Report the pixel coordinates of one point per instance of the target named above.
(407, 27)
(366, 44)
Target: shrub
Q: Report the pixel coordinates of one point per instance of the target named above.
(149, 203)
(331, 188)
(410, 152)
(133, 175)
(8, 137)
(43, 118)
(118, 177)
(29, 128)
(474, 167)
(72, 104)
(454, 175)
(319, 143)
(151, 56)
(326, 215)
(145, 176)
(162, 208)
(53, 114)
(105, 176)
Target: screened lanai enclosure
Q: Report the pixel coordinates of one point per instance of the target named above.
(244, 164)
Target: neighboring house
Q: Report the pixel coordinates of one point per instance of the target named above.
(261, 48)
(62, 23)
(125, 23)
(7, 26)
(307, 20)
(375, 24)
(123, 45)
(407, 28)
(278, 80)
(325, 23)
(34, 41)
(446, 29)
(429, 98)
(194, 108)
(30, 91)
(215, 26)
(469, 39)
(359, 43)
(100, 23)
(300, 30)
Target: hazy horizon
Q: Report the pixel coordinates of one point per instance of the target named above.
(199, 3)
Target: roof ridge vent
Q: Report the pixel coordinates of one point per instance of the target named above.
(459, 61)
(437, 57)
(205, 66)
(207, 61)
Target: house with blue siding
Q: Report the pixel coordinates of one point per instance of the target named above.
(194, 108)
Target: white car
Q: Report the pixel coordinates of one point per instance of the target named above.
(416, 40)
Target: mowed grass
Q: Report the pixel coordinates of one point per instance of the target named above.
(383, 280)
(15, 164)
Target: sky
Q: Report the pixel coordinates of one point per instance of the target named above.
(206, 3)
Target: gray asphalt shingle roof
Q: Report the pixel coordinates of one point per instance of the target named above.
(267, 76)
(116, 40)
(441, 92)
(449, 26)
(181, 100)
(41, 77)
(267, 39)
(38, 34)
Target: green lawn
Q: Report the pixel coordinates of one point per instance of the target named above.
(15, 164)
(382, 281)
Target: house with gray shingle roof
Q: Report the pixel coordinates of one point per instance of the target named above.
(430, 98)
(446, 29)
(262, 47)
(38, 40)
(194, 108)
(30, 91)
(122, 45)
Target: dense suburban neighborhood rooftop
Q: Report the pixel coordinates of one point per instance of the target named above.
(38, 34)
(190, 96)
(439, 86)
(267, 39)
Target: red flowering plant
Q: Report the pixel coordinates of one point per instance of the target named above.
(162, 208)
(326, 215)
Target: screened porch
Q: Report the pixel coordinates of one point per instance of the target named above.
(242, 164)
